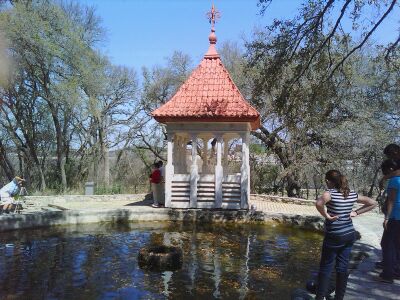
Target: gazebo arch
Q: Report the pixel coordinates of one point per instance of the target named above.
(205, 114)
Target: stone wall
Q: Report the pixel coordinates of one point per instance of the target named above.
(83, 198)
(146, 214)
(126, 197)
(282, 199)
(82, 209)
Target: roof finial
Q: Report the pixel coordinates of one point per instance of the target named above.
(213, 15)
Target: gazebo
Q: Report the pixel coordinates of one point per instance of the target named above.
(208, 126)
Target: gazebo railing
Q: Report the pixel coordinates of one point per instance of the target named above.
(231, 191)
(206, 191)
(180, 191)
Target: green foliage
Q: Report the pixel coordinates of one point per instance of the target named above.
(264, 178)
(64, 100)
(257, 148)
(108, 190)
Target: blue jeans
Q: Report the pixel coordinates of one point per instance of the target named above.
(335, 249)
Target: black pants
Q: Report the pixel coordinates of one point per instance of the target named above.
(391, 249)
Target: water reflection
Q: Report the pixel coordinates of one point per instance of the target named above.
(100, 262)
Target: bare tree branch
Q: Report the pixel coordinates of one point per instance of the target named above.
(359, 46)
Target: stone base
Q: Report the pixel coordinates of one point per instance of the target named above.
(131, 214)
(160, 258)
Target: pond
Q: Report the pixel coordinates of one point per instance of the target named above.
(100, 262)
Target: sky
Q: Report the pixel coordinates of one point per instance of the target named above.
(145, 32)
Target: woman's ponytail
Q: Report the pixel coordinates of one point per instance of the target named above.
(344, 186)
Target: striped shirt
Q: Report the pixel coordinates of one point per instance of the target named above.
(342, 207)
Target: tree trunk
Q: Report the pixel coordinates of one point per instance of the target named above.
(371, 189)
(106, 165)
(307, 190)
(316, 189)
(93, 159)
(60, 146)
(33, 154)
(6, 168)
(293, 186)
(42, 180)
(104, 156)
(28, 147)
(273, 142)
(20, 163)
(5, 163)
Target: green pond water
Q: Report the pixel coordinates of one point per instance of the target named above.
(100, 262)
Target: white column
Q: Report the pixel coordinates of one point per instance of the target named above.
(177, 151)
(219, 174)
(194, 176)
(169, 170)
(225, 158)
(182, 155)
(174, 151)
(206, 168)
(245, 172)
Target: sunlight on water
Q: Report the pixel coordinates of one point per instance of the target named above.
(100, 262)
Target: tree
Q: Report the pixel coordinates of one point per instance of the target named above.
(5, 162)
(233, 57)
(113, 115)
(159, 85)
(51, 47)
(308, 85)
(327, 17)
(27, 124)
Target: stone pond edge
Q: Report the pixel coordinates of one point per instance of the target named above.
(79, 217)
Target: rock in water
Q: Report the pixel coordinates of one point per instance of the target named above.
(160, 258)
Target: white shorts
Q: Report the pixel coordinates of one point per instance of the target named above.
(5, 198)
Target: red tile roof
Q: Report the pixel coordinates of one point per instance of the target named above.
(208, 95)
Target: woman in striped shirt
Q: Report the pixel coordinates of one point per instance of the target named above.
(339, 231)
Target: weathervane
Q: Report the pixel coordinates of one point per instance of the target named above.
(213, 15)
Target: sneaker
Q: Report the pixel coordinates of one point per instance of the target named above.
(155, 205)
